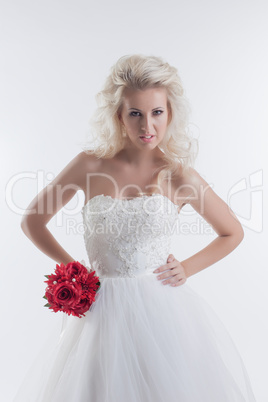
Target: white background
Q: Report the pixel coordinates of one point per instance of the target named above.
(55, 56)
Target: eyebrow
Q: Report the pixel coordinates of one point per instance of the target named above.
(133, 108)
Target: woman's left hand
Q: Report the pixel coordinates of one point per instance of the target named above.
(174, 272)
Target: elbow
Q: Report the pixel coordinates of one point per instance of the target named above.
(29, 225)
(238, 236)
(238, 233)
(235, 237)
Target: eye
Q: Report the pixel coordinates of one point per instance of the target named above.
(131, 113)
(156, 112)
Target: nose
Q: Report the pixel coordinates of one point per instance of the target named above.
(146, 124)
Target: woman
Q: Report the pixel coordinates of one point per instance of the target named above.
(140, 341)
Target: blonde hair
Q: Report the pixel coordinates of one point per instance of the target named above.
(141, 72)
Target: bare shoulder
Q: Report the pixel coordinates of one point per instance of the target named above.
(206, 202)
(88, 160)
(191, 176)
(189, 183)
(63, 187)
(194, 187)
(82, 164)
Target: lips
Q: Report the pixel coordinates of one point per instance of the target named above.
(149, 138)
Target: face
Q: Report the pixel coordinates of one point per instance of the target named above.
(145, 114)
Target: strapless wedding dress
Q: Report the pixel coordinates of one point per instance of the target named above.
(141, 341)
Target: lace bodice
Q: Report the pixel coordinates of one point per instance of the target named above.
(127, 238)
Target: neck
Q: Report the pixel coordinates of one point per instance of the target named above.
(140, 158)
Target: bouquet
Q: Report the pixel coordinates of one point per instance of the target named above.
(71, 289)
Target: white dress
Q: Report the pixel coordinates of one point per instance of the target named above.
(141, 341)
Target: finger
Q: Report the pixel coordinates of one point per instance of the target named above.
(170, 265)
(171, 274)
(167, 273)
(179, 283)
(160, 269)
(172, 278)
(166, 266)
(170, 257)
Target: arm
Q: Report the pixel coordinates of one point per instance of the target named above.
(222, 219)
(48, 202)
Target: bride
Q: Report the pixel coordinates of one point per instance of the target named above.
(140, 341)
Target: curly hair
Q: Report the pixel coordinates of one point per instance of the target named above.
(141, 72)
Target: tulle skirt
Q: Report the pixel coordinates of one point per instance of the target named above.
(141, 341)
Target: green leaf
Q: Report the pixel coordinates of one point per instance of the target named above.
(47, 276)
(47, 305)
(44, 297)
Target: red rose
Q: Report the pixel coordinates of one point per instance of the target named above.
(74, 268)
(67, 293)
(83, 306)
